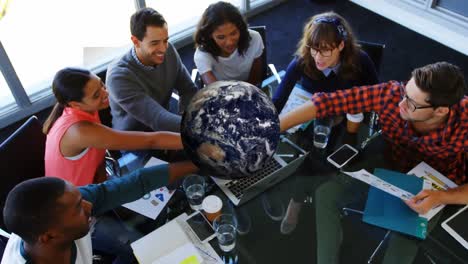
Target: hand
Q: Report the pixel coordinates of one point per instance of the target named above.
(425, 201)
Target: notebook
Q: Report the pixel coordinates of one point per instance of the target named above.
(456, 226)
(275, 170)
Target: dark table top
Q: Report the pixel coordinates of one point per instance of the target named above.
(264, 243)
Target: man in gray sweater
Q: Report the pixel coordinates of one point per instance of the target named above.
(141, 82)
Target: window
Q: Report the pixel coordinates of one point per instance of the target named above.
(55, 33)
(456, 6)
(181, 19)
(6, 98)
(445, 21)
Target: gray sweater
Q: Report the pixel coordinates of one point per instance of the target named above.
(139, 95)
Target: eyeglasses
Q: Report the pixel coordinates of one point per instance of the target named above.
(324, 52)
(410, 103)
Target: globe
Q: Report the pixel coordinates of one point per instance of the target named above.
(230, 129)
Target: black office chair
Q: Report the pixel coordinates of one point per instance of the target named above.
(262, 31)
(112, 156)
(21, 158)
(375, 52)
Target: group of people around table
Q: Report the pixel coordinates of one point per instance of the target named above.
(424, 119)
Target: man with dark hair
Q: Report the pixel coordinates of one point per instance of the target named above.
(50, 218)
(423, 120)
(142, 81)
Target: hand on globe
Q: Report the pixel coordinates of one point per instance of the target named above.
(230, 128)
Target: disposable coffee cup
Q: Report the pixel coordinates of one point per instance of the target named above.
(212, 205)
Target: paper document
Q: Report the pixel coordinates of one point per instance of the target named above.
(378, 183)
(151, 204)
(173, 243)
(297, 97)
(206, 251)
(437, 182)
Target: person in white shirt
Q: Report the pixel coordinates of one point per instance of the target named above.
(226, 48)
(50, 219)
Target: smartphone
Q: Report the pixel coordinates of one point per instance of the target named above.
(342, 156)
(201, 226)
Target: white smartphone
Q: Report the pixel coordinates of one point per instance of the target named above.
(342, 156)
(201, 227)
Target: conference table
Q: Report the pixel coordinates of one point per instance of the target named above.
(325, 233)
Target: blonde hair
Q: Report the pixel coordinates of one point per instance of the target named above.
(325, 31)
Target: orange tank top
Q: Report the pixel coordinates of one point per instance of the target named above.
(82, 170)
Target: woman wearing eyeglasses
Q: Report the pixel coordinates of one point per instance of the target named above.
(327, 59)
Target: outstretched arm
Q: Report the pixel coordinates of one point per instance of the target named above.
(112, 193)
(304, 113)
(428, 199)
(88, 134)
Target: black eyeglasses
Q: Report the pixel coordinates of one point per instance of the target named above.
(410, 103)
(324, 52)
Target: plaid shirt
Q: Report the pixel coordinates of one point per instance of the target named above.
(443, 148)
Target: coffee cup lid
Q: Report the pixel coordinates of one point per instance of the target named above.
(212, 204)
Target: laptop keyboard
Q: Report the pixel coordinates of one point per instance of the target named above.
(238, 186)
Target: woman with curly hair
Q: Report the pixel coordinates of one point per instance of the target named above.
(226, 48)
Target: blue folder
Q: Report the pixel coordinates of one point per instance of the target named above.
(390, 212)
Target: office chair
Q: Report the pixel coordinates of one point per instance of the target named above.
(375, 52)
(112, 156)
(21, 158)
(267, 69)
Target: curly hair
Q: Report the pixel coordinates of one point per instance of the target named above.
(325, 31)
(214, 16)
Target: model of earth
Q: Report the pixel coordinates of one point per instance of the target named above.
(230, 129)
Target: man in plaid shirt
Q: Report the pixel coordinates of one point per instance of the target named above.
(424, 120)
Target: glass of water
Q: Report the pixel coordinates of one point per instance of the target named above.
(225, 226)
(322, 129)
(194, 187)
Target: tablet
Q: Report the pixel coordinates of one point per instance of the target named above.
(457, 226)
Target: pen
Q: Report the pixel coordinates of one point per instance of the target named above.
(206, 253)
(369, 139)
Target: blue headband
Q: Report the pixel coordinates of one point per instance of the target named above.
(334, 21)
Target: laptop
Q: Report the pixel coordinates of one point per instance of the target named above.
(275, 170)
